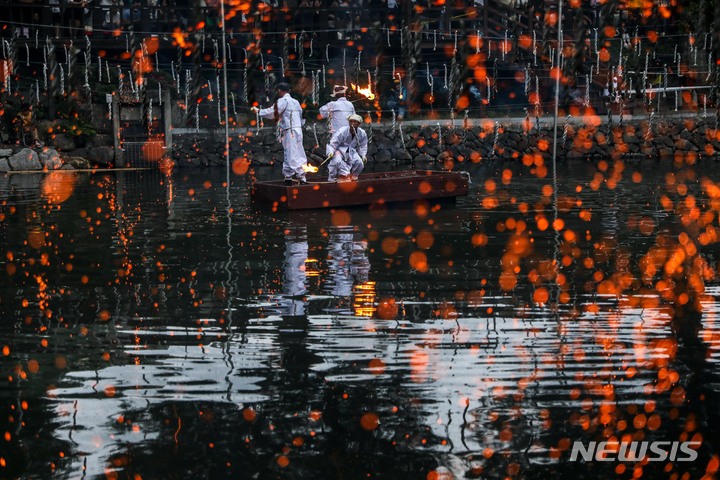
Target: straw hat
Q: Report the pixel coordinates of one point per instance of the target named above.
(339, 91)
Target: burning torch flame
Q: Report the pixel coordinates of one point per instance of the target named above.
(309, 168)
(366, 92)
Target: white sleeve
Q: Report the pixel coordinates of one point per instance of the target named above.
(270, 111)
(335, 140)
(362, 142)
(325, 110)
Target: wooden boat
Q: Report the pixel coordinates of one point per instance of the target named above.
(370, 188)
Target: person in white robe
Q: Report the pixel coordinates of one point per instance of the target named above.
(292, 302)
(347, 151)
(337, 111)
(287, 112)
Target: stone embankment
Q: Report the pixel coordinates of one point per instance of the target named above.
(424, 143)
(645, 138)
(61, 152)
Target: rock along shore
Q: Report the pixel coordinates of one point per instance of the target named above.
(422, 142)
(691, 138)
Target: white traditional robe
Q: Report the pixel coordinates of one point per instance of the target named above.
(347, 262)
(337, 111)
(290, 134)
(339, 259)
(295, 278)
(348, 151)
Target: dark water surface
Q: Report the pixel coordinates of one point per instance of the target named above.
(160, 327)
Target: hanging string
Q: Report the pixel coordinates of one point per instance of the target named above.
(245, 85)
(649, 131)
(315, 84)
(219, 103)
(496, 139)
(197, 116)
(62, 81)
(537, 102)
(45, 68)
(188, 79)
(504, 46)
(527, 80)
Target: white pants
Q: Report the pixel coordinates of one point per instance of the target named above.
(344, 164)
(294, 154)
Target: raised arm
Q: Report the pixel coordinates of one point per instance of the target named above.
(362, 142)
(337, 138)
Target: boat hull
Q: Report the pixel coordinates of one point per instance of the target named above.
(370, 188)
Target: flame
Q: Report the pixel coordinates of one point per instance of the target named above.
(366, 92)
(309, 168)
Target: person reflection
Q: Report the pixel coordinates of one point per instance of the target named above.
(295, 360)
(348, 264)
(292, 302)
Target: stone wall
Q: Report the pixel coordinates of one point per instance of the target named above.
(645, 138)
(422, 144)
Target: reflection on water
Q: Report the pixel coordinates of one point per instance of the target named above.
(153, 328)
(295, 276)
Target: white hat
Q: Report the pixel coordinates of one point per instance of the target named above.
(339, 90)
(355, 117)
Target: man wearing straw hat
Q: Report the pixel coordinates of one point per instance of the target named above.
(347, 151)
(287, 112)
(337, 111)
